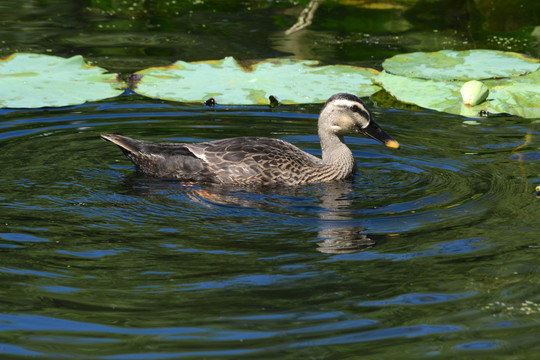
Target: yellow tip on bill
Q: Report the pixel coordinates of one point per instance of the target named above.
(392, 144)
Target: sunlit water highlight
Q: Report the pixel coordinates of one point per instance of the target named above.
(430, 250)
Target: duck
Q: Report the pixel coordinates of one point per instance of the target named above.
(261, 161)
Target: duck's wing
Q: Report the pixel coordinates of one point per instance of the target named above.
(248, 149)
(252, 159)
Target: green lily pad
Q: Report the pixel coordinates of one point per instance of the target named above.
(461, 65)
(33, 81)
(518, 96)
(290, 81)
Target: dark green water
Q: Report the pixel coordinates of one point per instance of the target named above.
(431, 252)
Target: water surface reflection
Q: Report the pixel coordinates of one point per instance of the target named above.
(428, 251)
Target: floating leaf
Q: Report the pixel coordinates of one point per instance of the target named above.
(433, 81)
(461, 65)
(288, 81)
(519, 96)
(436, 95)
(33, 81)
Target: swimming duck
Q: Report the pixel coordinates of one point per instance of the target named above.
(259, 160)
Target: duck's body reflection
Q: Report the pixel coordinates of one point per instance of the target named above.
(330, 203)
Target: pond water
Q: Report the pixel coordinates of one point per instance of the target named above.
(431, 251)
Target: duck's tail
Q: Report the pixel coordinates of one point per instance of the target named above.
(128, 145)
(133, 149)
(167, 160)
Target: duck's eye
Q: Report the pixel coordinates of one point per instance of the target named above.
(354, 108)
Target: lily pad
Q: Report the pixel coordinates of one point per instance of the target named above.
(290, 81)
(33, 81)
(461, 65)
(518, 96)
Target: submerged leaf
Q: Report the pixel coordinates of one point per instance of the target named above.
(461, 65)
(33, 81)
(291, 81)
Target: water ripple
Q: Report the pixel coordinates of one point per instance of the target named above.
(374, 335)
(417, 299)
(417, 246)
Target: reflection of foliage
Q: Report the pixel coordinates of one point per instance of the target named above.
(171, 8)
(306, 17)
(342, 30)
(456, 14)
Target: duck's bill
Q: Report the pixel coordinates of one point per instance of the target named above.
(375, 132)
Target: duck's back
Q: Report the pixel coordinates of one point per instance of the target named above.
(241, 160)
(254, 160)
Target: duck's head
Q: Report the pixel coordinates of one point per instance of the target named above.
(345, 113)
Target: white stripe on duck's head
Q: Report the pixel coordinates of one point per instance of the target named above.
(346, 113)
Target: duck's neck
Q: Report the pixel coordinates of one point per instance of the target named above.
(336, 154)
